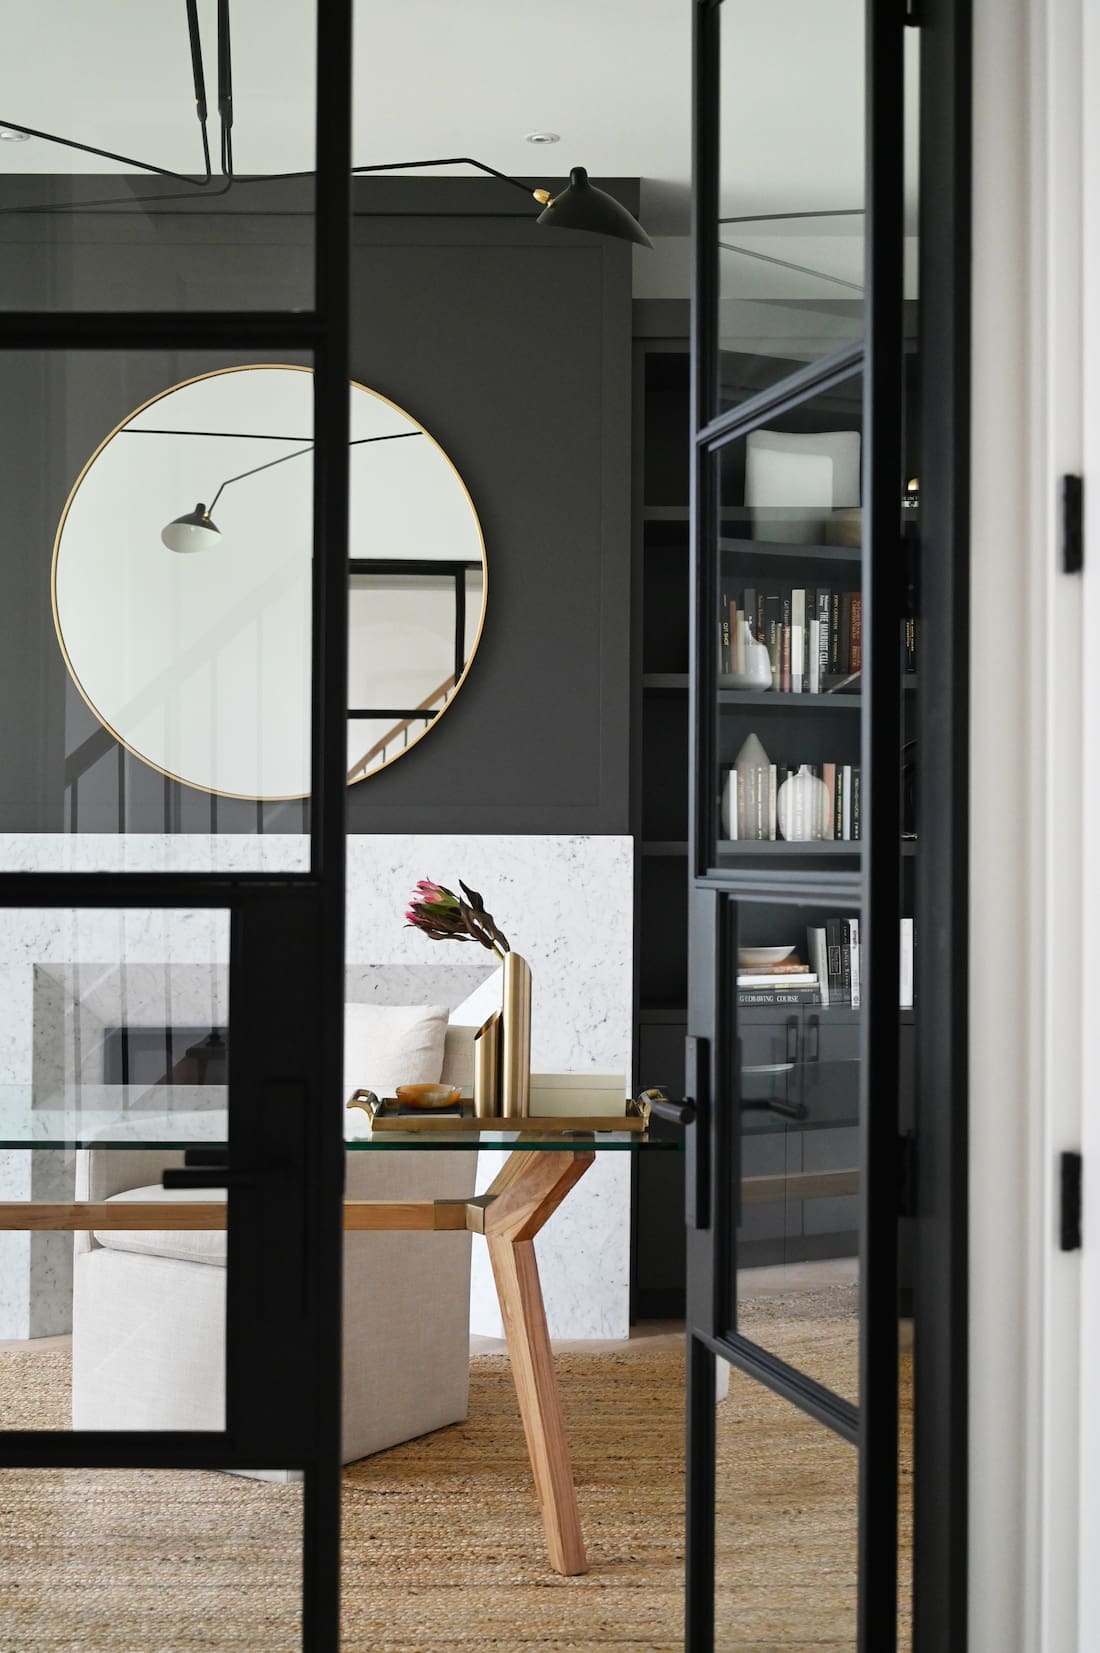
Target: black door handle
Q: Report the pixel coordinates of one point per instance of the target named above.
(680, 1111)
(692, 1113)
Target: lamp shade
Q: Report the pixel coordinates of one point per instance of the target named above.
(581, 206)
(194, 532)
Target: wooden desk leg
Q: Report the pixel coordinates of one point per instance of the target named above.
(529, 1188)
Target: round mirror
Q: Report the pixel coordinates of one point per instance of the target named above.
(182, 582)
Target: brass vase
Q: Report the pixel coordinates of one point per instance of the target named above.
(515, 1038)
(487, 1068)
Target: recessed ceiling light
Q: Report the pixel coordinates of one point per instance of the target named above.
(9, 135)
(543, 137)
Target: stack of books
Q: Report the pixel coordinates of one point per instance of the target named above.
(814, 638)
(749, 811)
(791, 982)
(834, 950)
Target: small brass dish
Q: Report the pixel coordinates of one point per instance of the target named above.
(428, 1096)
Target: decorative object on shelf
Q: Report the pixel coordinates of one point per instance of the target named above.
(428, 1096)
(753, 771)
(487, 1067)
(845, 528)
(802, 807)
(756, 671)
(444, 916)
(201, 666)
(757, 957)
(794, 481)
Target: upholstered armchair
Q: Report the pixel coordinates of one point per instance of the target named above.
(149, 1308)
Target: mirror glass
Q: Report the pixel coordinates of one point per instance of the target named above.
(182, 582)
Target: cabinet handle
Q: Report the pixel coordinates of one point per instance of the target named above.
(792, 1038)
(815, 1029)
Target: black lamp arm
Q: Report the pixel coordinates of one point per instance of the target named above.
(451, 160)
(395, 436)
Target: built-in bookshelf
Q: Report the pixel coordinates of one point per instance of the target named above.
(815, 726)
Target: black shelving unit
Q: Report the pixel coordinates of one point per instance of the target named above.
(813, 728)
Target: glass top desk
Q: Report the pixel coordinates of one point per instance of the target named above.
(536, 1177)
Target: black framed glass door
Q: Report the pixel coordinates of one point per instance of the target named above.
(196, 966)
(797, 890)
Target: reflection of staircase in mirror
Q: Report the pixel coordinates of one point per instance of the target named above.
(429, 708)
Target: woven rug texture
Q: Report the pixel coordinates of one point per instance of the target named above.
(442, 1542)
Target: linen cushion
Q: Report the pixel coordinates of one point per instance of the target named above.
(386, 1045)
(188, 1245)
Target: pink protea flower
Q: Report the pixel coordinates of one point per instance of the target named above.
(443, 916)
(431, 894)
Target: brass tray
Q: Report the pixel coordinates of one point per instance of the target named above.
(387, 1114)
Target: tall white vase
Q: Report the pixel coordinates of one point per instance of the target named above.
(801, 806)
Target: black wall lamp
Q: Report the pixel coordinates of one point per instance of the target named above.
(196, 530)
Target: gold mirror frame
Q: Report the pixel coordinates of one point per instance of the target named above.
(414, 737)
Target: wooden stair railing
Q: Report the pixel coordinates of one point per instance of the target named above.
(426, 705)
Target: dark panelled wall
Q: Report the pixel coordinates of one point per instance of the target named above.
(510, 343)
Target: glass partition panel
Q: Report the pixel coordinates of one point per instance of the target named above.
(114, 1041)
(157, 644)
(148, 1558)
(205, 199)
(795, 1164)
(788, 638)
(790, 189)
(786, 1526)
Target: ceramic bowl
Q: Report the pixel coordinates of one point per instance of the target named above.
(428, 1096)
(753, 957)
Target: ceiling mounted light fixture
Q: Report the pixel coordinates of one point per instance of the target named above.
(543, 137)
(8, 134)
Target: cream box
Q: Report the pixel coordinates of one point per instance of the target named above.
(577, 1094)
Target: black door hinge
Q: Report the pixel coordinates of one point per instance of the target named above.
(1069, 1222)
(1073, 524)
(907, 1174)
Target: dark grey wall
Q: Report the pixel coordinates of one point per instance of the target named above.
(510, 343)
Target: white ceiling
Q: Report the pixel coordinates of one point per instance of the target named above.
(438, 77)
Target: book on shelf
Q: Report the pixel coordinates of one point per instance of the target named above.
(817, 953)
(798, 626)
(814, 637)
(772, 634)
(853, 961)
(835, 952)
(763, 979)
(776, 996)
(905, 963)
(855, 645)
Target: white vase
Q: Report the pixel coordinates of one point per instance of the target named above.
(753, 782)
(756, 663)
(801, 806)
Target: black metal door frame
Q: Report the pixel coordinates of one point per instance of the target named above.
(286, 1152)
(940, 1262)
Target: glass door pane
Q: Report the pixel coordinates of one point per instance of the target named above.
(793, 1102)
(788, 638)
(790, 189)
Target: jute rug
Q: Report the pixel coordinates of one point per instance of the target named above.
(442, 1542)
